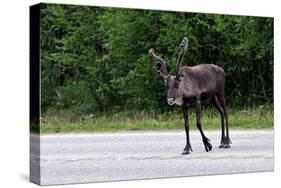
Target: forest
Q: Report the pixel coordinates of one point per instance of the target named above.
(95, 62)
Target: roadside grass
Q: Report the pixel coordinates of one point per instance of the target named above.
(67, 122)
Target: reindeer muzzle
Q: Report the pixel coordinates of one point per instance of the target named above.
(170, 101)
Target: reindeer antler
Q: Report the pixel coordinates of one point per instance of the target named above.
(183, 47)
(163, 63)
(159, 72)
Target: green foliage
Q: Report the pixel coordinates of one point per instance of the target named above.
(95, 60)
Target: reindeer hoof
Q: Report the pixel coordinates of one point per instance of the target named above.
(225, 143)
(208, 146)
(227, 146)
(186, 151)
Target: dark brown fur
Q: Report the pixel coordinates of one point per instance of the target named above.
(193, 86)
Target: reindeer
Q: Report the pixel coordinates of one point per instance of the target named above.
(193, 86)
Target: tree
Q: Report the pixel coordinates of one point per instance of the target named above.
(96, 59)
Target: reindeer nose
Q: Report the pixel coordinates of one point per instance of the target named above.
(170, 101)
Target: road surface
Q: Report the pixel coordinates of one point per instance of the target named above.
(97, 157)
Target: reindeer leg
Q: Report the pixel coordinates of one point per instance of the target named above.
(187, 148)
(218, 106)
(222, 102)
(206, 141)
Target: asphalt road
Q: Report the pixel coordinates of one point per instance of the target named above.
(96, 157)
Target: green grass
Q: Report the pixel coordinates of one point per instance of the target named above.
(65, 121)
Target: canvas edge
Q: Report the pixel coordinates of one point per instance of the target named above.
(34, 95)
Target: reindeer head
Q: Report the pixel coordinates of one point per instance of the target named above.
(172, 82)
